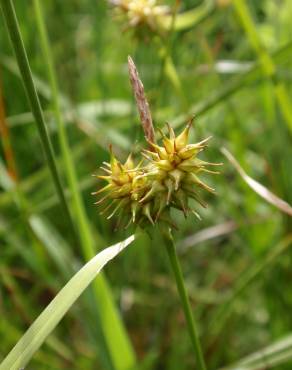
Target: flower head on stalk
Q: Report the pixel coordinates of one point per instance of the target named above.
(169, 178)
(119, 195)
(166, 177)
(176, 166)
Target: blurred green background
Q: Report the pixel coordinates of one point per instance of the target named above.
(231, 68)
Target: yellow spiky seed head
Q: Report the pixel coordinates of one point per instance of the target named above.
(126, 192)
(142, 12)
(169, 179)
(176, 166)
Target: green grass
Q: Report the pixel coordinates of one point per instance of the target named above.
(239, 283)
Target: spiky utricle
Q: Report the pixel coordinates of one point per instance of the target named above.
(122, 189)
(174, 168)
(170, 178)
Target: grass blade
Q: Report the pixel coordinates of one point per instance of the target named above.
(190, 18)
(232, 87)
(245, 280)
(5, 138)
(272, 355)
(257, 187)
(109, 317)
(54, 312)
(268, 66)
(207, 234)
(23, 64)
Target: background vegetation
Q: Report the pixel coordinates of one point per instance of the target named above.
(232, 69)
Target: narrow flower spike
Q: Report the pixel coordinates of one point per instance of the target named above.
(141, 101)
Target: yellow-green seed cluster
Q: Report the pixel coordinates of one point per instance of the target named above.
(146, 193)
(141, 12)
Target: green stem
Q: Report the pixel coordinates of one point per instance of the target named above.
(77, 204)
(113, 329)
(171, 251)
(244, 281)
(268, 66)
(27, 79)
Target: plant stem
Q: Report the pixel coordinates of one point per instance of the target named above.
(114, 331)
(27, 79)
(171, 251)
(69, 167)
(268, 65)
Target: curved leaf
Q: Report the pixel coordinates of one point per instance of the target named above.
(261, 190)
(275, 354)
(189, 18)
(37, 333)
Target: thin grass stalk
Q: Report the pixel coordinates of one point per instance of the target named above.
(6, 140)
(268, 65)
(12, 172)
(222, 315)
(27, 79)
(236, 84)
(111, 323)
(168, 68)
(166, 57)
(78, 206)
(175, 265)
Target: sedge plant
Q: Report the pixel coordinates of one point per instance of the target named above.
(143, 194)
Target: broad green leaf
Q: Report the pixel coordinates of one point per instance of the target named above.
(37, 333)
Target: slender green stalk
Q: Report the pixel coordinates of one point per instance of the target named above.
(268, 65)
(23, 64)
(168, 68)
(113, 329)
(78, 206)
(236, 84)
(171, 251)
(244, 281)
